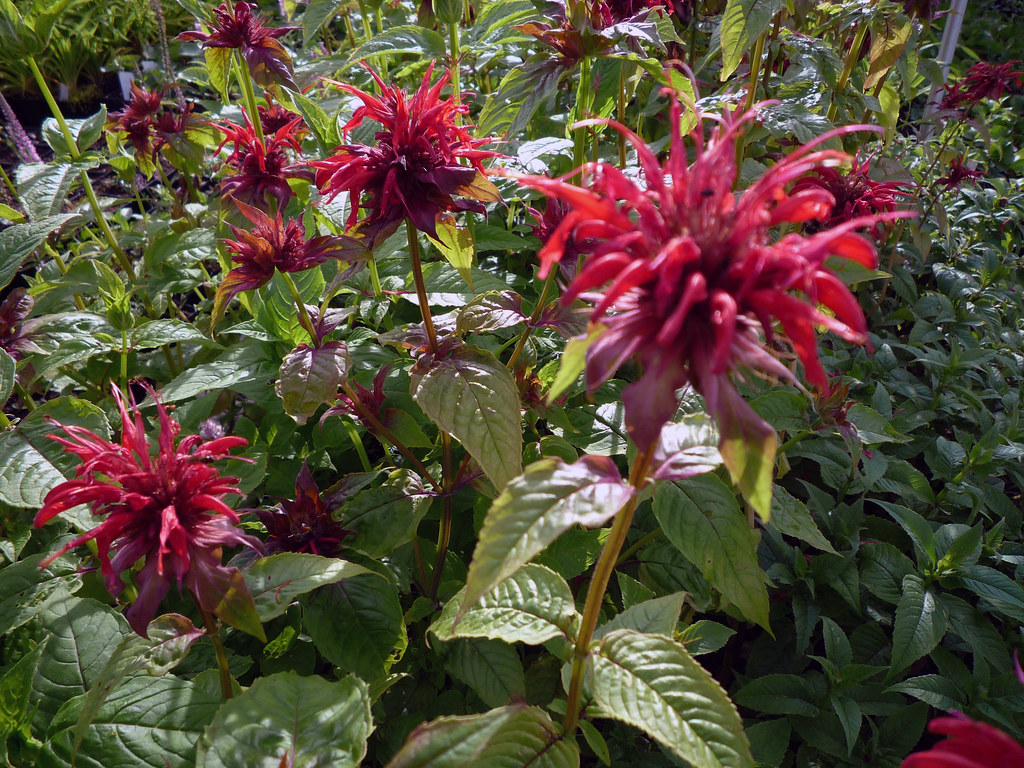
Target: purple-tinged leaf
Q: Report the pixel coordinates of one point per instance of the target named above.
(310, 376)
(685, 449)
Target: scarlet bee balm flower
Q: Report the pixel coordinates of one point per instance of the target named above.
(968, 744)
(686, 276)
(414, 171)
(166, 509)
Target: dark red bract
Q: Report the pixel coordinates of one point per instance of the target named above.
(982, 81)
(968, 744)
(304, 524)
(685, 274)
(957, 174)
(414, 171)
(263, 166)
(242, 27)
(165, 509)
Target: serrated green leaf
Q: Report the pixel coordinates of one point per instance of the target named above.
(318, 13)
(658, 616)
(156, 333)
(218, 67)
(25, 588)
(148, 722)
(357, 624)
(918, 529)
(19, 240)
(310, 377)
(919, 625)
(276, 580)
(935, 690)
(701, 518)
(385, 517)
(15, 690)
(791, 517)
(704, 636)
(532, 606)
(989, 583)
(490, 667)
(25, 474)
(43, 188)
(512, 736)
(456, 245)
(652, 683)
(779, 695)
(473, 397)
(286, 719)
(533, 510)
(742, 23)
(402, 39)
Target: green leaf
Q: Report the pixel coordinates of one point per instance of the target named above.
(385, 517)
(919, 530)
(511, 737)
(318, 13)
(83, 634)
(310, 377)
(148, 722)
(156, 333)
(883, 567)
(705, 636)
(532, 606)
(837, 646)
(286, 719)
(25, 474)
(652, 683)
(218, 67)
(43, 188)
(701, 518)
(357, 624)
(402, 39)
(170, 637)
(19, 240)
(235, 605)
(15, 690)
(473, 397)
(1007, 594)
(596, 741)
(25, 588)
(686, 448)
(456, 245)
(572, 362)
(534, 509)
(769, 741)
(748, 448)
(510, 109)
(888, 40)
(935, 690)
(240, 365)
(779, 695)
(490, 667)
(919, 625)
(324, 126)
(654, 617)
(849, 714)
(791, 517)
(275, 581)
(742, 23)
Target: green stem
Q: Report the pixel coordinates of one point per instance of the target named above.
(421, 288)
(378, 292)
(639, 544)
(549, 283)
(218, 646)
(249, 94)
(598, 586)
(583, 97)
(10, 186)
(755, 70)
(358, 445)
(63, 267)
(124, 359)
(304, 320)
(26, 398)
(456, 53)
(5, 423)
(444, 535)
(852, 57)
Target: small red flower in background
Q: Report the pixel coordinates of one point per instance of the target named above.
(263, 165)
(968, 744)
(244, 29)
(150, 127)
(165, 509)
(958, 173)
(274, 117)
(856, 194)
(684, 273)
(305, 524)
(274, 245)
(982, 81)
(413, 171)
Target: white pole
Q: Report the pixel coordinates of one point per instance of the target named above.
(947, 49)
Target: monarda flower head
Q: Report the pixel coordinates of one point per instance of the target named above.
(687, 277)
(304, 524)
(415, 170)
(242, 27)
(968, 744)
(263, 166)
(165, 508)
(982, 81)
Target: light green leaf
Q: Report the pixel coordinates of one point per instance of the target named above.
(791, 517)
(43, 188)
(15, 690)
(318, 13)
(919, 625)
(572, 362)
(511, 737)
(888, 40)
(148, 722)
(7, 370)
(490, 667)
(742, 23)
(276, 580)
(218, 67)
(25, 474)
(25, 588)
(156, 333)
(536, 508)
(652, 683)
(286, 719)
(532, 606)
(385, 517)
(19, 240)
(472, 396)
(658, 616)
(456, 245)
(701, 518)
(403, 39)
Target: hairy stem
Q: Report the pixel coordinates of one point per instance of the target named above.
(598, 586)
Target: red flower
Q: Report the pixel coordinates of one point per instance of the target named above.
(136, 120)
(15, 333)
(414, 170)
(271, 245)
(166, 509)
(305, 524)
(275, 117)
(244, 29)
(958, 174)
(856, 194)
(263, 164)
(982, 81)
(688, 273)
(968, 744)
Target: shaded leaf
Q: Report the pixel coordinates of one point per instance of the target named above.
(276, 580)
(310, 377)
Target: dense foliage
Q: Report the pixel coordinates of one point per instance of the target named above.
(514, 383)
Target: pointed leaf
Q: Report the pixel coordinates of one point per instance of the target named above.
(536, 508)
(490, 667)
(532, 606)
(15, 690)
(742, 23)
(19, 240)
(658, 616)
(385, 517)
(218, 67)
(919, 625)
(310, 377)
(572, 362)
(473, 397)
(286, 719)
(652, 683)
(276, 580)
(791, 517)
(456, 245)
(510, 737)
